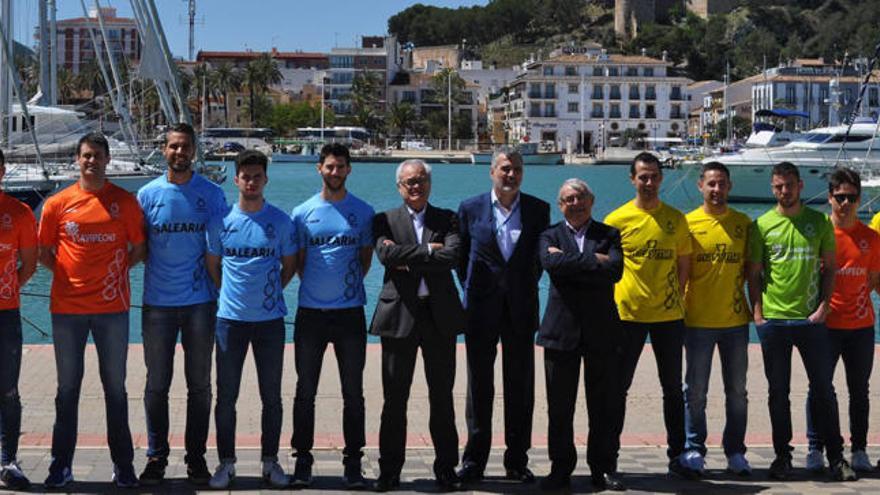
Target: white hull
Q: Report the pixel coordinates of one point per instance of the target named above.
(528, 159)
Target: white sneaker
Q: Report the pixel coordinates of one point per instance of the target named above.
(815, 461)
(223, 476)
(737, 464)
(693, 460)
(273, 475)
(860, 461)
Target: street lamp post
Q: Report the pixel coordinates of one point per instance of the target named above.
(449, 107)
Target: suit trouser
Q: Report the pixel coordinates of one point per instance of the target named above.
(398, 366)
(518, 368)
(561, 369)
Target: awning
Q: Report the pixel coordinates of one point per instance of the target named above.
(782, 113)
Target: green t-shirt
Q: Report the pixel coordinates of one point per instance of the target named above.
(791, 248)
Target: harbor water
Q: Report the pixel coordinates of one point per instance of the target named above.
(292, 183)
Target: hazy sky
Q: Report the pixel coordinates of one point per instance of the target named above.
(313, 25)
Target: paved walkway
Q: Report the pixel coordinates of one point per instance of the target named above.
(642, 459)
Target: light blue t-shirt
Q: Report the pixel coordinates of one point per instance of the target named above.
(176, 216)
(332, 235)
(251, 245)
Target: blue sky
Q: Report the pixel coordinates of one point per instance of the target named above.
(313, 25)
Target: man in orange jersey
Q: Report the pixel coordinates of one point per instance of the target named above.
(18, 261)
(851, 320)
(91, 233)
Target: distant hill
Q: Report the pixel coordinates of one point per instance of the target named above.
(756, 34)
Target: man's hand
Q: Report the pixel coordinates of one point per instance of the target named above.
(602, 258)
(388, 242)
(820, 314)
(554, 250)
(435, 246)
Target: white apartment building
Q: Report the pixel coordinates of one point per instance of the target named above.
(601, 94)
(380, 55)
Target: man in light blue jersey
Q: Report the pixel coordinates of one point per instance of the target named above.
(251, 257)
(179, 299)
(334, 231)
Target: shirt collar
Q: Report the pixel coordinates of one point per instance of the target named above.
(580, 231)
(497, 204)
(418, 215)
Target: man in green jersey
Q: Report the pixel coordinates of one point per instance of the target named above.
(791, 271)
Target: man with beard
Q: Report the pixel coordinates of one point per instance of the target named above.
(179, 299)
(792, 264)
(335, 240)
(499, 270)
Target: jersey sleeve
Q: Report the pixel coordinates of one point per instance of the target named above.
(289, 244)
(827, 242)
(875, 252)
(875, 222)
(755, 244)
(219, 207)
(48, 233)
(212, 236)
(684, 246)
(134, 221)
(366, 227)
(27, 232)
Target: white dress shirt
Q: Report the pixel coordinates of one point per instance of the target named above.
(508, 225)
(579, 234)
(418, 221)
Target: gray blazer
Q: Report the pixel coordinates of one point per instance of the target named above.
(396, 309)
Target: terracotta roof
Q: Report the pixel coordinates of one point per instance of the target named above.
(252, 54)
(610, 59)
(94, 20)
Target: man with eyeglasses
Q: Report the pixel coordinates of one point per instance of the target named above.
(851, 320)
(791, 271)
(418, 308)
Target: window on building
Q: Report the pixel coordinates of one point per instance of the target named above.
(598, 94)
(873, 98)
(534, 90)
(550, 90)
(634, 112)
(570, 70)
(648, 72)
(535, 110)
(550, 110)
(573, 107)
(548, 70)
(598, 71)
(675, 112)
(598, 111)
(650, 113)
(573, 88)
(408, 97)
(650, 92)
(634, 92)
(613, 72)
(790, 93)
(614, 111)
(614, 92)
(632, 72)
(675, 94)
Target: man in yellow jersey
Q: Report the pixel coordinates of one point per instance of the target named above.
(791, 270)
(716, 314)
(656, 252)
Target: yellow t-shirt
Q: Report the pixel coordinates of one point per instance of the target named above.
(875, 222)
(652, 242)
(714, 296)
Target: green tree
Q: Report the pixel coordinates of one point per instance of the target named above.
(287, 117)
(227, 79)
(259, 75)
(402, 118)
(364, 96)
(741, 128)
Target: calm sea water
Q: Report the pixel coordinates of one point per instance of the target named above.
(291, 184)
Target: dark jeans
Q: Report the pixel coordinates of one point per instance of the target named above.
(667, 339)
(161, 325)
(110, 333)
(778, 337)
(562, 369)
(733, 349)
(856, 347)
(518, 370)
(398, 365)
(267, 340)
(346, 329)
(10, 367)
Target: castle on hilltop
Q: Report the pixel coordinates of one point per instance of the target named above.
(630, 14)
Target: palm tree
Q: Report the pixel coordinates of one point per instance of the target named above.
(259, 74)
(402, 118)
(67, 85)
(226, 79)
(364, 97)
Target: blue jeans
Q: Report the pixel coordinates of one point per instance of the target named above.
(346, 329)
(110, 333)
(733, 348)
(267, 340)
(856, 347)
(778, 337)
(160, 328)
(10, 367)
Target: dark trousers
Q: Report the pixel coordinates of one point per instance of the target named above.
(856, 348)
(778, 337)
(561, 369)
(518, 368)
(398, 365)
(266, 338)
(667, 340)
(10, 368)
(160, 327)
(346, 329)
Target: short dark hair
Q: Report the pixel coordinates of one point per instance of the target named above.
(94, 139)
(647, 159)
(336, 149)
(786, 168)
(182, 128)
(251, 157)
(844, 175)
(2, 158)
(708, 167)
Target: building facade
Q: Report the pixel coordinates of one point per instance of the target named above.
(75, 46)
(378, 55)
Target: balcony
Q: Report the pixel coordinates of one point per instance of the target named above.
(634, 114)
(598, 95)
(676, 115)
(676, 96)
(614, 114)
(650, 95)
(597, 114)
(650, 115)
(634, 94)
(534, 95)
(614, 95)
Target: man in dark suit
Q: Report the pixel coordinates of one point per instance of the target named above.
(499, 270)
(584, 260)
(418, 307)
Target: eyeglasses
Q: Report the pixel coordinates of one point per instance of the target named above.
(840, 198)
(570, 200)
(411, 183)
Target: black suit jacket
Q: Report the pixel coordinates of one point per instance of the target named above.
(488, 280)
(396, 309)
(580, 307)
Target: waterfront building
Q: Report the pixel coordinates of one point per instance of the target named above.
(734, 100)
(377, 54)
(415, 87)
(75, 47)
(698, 115)
(605, 95)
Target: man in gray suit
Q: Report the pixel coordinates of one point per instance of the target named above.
(419, 306)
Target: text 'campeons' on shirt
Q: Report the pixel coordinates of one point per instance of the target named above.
(858, 255)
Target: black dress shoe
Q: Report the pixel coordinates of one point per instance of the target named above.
(555, 482)
(608, 481)
(386, 483)
(448, 481)
(522, 474)
(469, 473)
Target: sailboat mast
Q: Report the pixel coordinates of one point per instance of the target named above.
(5, 76)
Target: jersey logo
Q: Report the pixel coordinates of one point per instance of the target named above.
(201, 205)
(270, 231)
(352, 220)
(670, 227)
(114, 210)
(6, 222)
(229, 230)
(738, 232)
(863, 245)
(809, 230)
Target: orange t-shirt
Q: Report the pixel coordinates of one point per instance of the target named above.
(90, 232)
(858, 253)
(18, 230)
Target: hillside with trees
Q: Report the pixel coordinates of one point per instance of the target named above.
(758, 33)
